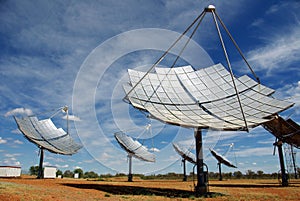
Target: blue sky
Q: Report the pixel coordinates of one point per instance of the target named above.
(76, 53)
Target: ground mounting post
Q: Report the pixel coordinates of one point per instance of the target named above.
(220, 172)
(40, 173)
(130, 168)
(201, 187)
(184, 170)
(284, 176)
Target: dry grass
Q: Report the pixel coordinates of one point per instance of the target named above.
(28, 188)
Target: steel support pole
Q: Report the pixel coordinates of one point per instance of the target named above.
(130, 168)
(201, 187)
(220, 172)
(184, 170)
(40, 173)
(294, 162)
(284, 176)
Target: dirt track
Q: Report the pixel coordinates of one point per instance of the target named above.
(28, 188)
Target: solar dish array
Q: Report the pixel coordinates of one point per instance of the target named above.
(221, 159)
(46, 135)
(134, 147)
(204, 98)
(184, 153)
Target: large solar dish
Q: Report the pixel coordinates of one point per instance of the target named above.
(134, 148)
(204, 98)
(46, 135)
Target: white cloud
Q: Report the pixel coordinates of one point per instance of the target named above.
(11, 162)
(77, 167)
(280, 50)
(21, 111)
(61, 166)
(12, 155)
(18, 142)
(46, 163)
(89, 161)
(154, 149)
(291, 93)
(2, 141)
(72, 118)
(11, 159)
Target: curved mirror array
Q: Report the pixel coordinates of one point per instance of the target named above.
(46, 135)
(134, 148)
(221, 159)
(185, 153)
(204, 98)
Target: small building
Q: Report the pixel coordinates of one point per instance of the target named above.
(10, 171)
(76, 175)
(50, 172)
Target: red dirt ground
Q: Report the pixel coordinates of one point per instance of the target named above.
(29, 188)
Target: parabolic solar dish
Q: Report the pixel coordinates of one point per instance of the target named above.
(47, 136)
(221, 159)
(185, 153)
(134, 148)
(287, 131)
(204, 98)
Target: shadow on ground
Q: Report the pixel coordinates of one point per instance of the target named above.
(136, 190)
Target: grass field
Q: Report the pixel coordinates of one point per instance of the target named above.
(29, 188)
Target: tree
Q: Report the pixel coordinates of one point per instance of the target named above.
(68, 173)
(90, 174)
(212, 175)
(59, 172)
(238, 174)
(250, 174)
(34, 170)
(228, 175)
(79, 171)
(260, 173)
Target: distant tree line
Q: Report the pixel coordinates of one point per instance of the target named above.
(249, 174)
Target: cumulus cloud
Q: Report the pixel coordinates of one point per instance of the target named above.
(2, 141)
(11, 162)
(154, 149)
(11, 159)
(21, 111)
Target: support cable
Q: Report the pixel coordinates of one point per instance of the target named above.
(237, 47)
(175, 61)
(164, 54)
(189, 39)
(229, 66)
